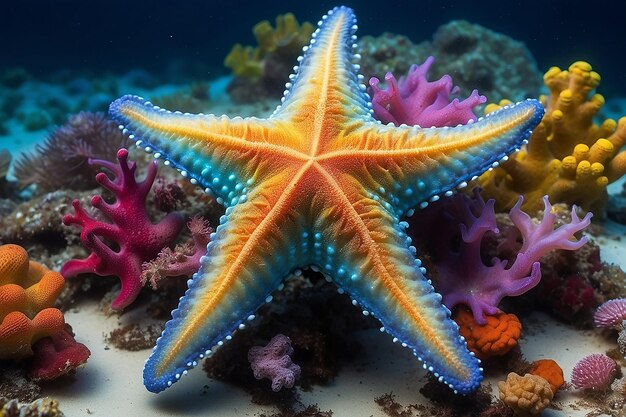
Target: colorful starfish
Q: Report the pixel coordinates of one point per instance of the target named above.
(319, 183)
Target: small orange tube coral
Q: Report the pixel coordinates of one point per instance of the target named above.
(27, 292)
(550, 371)
(498, 336)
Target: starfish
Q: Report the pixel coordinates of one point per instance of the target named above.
(319, 183)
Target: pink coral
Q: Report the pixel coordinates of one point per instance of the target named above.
(462, 277)
(596, 371)
(274, 362)
(121, 246)
(415, 101)
(611, 314)
(184, 260)
(58, 355)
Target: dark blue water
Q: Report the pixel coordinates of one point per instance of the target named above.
(115, 36)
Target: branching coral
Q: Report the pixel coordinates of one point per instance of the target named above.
(568, 157)
(27, 292)
(526, 395)
(274, 362)
(120, 247)
(415, 101)
(452, 232)
(496, 337)
(264, 69)
(183, 260)
(61, 161)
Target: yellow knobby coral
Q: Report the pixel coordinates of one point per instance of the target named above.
(525, 395)
(287, 39)
(27, 292)
(568, 157)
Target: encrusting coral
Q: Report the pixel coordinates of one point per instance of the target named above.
(496, 337)
(452, 231)
(526, 395)
(274, 362)
(134, 237)
(568, 157)
(28, 291)
(549, 370)
(262, 71)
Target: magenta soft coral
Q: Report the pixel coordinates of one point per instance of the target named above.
(120, 247)
(415, 101)
(462, 277)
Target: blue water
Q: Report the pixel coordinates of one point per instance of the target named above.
(114, 36)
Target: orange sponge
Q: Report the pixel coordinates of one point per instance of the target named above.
(498, 336)
(28, 290)
(550, 371)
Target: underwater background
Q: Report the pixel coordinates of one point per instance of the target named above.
(554, 327)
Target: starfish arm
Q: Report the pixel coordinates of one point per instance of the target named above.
(367, 252)
(409, 165)
(223, 155)
(247, 258)
(325, 89)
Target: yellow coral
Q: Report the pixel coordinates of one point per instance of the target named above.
(286, 40)
(568, 157)
(27, 292)
(525, 395)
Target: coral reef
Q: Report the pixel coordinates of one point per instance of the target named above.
(28, 291)
(57, 355)
(476, 57)
(134, 238)
(43, 407)
(415, 101)
(596, 372)
(496, 337)
(526, 395)
(183, 260)
(568, 157)
(62, 160)
(274, 362)
(550, 371)
(194, 99)
(611, 314)
(263, 71)
(452, 231)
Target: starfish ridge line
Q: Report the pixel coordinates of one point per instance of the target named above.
(319, 183)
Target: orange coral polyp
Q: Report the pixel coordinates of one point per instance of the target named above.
(497, 337)
(28, 290)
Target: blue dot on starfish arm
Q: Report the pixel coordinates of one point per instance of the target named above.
(319, 183)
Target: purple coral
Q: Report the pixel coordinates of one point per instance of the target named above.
(462, 277)
(596, 372)
(415, 101)
(119, 247)
(611, 314)
(274, 362)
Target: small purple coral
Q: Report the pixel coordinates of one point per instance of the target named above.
(596, 372)
(416, 101)
(274, 362)
(611, 314)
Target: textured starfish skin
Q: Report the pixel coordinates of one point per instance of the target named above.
(319, 183)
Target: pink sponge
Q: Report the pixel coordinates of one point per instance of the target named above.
(274, 362)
